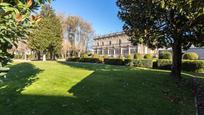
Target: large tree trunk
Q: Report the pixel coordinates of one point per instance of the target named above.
(38, 55)
(51, 55)
(177, 60)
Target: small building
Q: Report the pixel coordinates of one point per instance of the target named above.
(118, 44)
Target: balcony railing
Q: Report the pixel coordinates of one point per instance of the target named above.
(113, 45)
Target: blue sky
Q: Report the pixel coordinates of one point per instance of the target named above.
(102, 14)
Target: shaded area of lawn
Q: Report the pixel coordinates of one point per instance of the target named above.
(53, 88)
(20, 76)
(123, 90)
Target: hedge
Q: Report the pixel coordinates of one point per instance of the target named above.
(187, 65)
(164, 64)
(74, 59)
(147, 63)
(91, 60)
(194, 66)
(114, 61)
(128, 62)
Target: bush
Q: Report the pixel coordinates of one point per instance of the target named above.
(121, 57)
(187, 65)
(194, 66)
(114, 61)
(137, 56)
(165, 55)
(95, 56)
(148, 56)
(84, 55)
(143, 63)
(91, 60)
(129, 57)
(128, 62)
(190, 56)
(164, 64)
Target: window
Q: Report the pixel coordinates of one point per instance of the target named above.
(120, 41)
(97, 44)
(110, 43)
(102, 43)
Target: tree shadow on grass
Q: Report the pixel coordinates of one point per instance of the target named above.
(124, 90)
(108, 90)
(20, 76)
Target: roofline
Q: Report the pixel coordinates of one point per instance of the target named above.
(109, 35)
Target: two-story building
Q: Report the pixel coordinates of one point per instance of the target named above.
(117, 44)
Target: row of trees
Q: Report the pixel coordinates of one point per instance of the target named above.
(58, 35)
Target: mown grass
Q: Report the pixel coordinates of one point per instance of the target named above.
(59, 88)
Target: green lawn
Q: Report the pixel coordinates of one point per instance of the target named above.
(56, 88)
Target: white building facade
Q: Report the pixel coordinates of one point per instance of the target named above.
(118, 44)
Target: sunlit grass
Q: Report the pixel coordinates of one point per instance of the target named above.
(56, 80)
(58, 88)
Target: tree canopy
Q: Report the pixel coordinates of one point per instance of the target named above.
(15, 23)
(47, 37)
(178, 24)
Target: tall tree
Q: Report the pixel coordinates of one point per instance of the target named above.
(37, 40)
(79, 33)
(47, 37)
(15, 23)
(178, 24)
